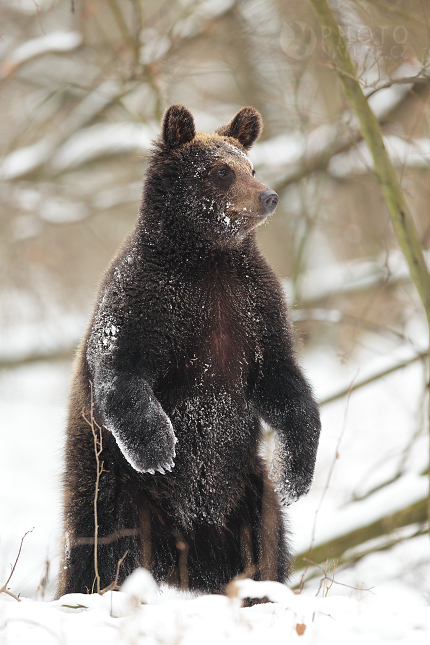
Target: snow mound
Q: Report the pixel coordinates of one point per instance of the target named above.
(122, 617)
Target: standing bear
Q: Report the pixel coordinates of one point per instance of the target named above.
(188, 352)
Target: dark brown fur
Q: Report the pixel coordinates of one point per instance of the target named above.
(188, 350)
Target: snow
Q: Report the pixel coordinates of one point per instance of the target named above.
(23, 160)
(30, 336)
(31, 7)
(282, 149)
(290, 149)
(386, 99)
(117, 617)
(288, 152)
(76, 144)
(353, 276)
(55, 42)
(193, 23)
(407, 490)
(383, 598)
(59, 211)
(117, 195)
(155, 46)
(413, 153)
(102, 139)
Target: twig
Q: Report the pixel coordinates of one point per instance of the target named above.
(4, 589)
(323, 580)
(27, 621)
(123, 28)
(332, 580)
(98, 449)
(113, 584)
(405, 80)
(391, 8)
(108, 539)
(335, 316)
(336, 457)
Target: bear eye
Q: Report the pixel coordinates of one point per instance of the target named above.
(253, 173)
(223, 177)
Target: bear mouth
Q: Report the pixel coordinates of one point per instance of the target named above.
(258, 220)
(248, 221)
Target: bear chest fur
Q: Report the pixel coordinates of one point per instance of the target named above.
(205, 394)
(218, 342)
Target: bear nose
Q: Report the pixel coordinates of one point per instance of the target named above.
(269, 199)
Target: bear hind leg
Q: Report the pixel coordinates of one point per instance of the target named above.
(117, 557)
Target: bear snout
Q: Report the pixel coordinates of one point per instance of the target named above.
(269, 199)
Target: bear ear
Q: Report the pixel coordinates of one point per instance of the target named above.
(246, 127)
(178, 126)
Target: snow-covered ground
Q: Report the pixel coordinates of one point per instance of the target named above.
(384, 597)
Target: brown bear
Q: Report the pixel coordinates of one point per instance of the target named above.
(188, 352)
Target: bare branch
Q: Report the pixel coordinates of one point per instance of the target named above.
(375, 377)
(52, 355)
(340, 546)
(341, 140)
(421, 77)
(397, 206)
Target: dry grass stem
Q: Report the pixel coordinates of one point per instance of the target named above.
(113, 585)
(98, 449)
(5, 589)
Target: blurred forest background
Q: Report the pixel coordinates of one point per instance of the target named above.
(83, 86)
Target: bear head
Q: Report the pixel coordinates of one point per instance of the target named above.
(204, 184)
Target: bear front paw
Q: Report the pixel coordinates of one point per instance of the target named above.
(290, 493)
(148, 444)
(159, 453)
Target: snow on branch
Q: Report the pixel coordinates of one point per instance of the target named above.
(295, 156)
(392, 365)
(77, 140)
(358, 160)
(57, 42)
(101, 140)
(343, 278)
(354, 543)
